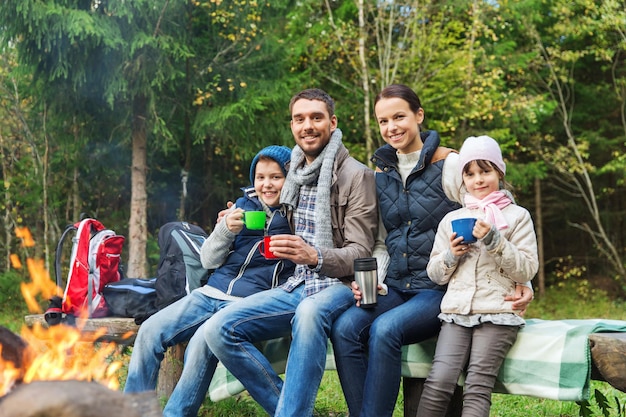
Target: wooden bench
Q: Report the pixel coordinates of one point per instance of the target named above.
(123, 331)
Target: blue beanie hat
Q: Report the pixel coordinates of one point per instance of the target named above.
(280, 154)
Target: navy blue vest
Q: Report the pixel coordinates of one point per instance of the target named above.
(411, 215)
(245, 271)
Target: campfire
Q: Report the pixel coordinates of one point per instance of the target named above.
(60, 371)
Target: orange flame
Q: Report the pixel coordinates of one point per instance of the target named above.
(59, 352)
(24, 234)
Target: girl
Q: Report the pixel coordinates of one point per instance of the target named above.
(478, 325)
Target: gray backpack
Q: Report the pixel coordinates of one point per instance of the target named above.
(180, 270)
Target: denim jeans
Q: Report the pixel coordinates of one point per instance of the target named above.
(482, 349)
(268, 315)
(178, 322)
(368, 347)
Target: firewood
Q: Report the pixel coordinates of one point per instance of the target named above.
(15, 351)
(76, 399)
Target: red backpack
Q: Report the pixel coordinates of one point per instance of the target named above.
(94, 262)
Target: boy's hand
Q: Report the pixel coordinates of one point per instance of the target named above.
(234, 220)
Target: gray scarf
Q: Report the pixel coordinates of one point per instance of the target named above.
(320, 171)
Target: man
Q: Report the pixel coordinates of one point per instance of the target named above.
(335, 222)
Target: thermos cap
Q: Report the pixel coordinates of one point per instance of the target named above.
(365, 264)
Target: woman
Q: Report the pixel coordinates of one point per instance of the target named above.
(418, 183)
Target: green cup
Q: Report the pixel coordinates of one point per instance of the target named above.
(254, 220)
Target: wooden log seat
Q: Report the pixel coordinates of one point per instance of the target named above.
(123, 331)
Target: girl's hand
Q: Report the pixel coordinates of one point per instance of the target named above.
(234, 220)
(456, 247)
(481, 228)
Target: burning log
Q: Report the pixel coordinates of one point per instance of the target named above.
(76, 399)
(15, 354)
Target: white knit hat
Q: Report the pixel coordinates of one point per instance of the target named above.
(481, 147)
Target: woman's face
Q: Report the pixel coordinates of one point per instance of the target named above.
(398, 125)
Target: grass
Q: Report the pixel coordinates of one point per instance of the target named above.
(574, 300)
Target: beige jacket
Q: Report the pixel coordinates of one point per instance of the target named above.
(480, 279)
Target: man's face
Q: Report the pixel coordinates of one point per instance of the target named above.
(311, 126)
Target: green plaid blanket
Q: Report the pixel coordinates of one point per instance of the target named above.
(550, 359)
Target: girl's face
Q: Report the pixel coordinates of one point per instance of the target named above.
(480, 182)
(398, 125)
(268, 181)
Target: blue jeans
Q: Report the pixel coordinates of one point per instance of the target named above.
(268, 315)
(368, 347)
(178, 322)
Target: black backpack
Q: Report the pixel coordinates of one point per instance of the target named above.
(131, 297)
(180, 270)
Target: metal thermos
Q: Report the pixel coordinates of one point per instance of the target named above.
(366, 276)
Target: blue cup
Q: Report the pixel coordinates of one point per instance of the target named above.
(463, 227)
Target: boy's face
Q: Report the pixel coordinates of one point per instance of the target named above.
(268, 181)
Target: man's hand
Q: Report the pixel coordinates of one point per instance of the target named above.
(294, 248)
(223, 213)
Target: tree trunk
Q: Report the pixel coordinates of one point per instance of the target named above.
(365, 81)
(138, 223)
(541, 276)
(8, 226)
(184, 173)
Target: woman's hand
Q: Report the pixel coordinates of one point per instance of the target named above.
(522, 298)
(356, 291)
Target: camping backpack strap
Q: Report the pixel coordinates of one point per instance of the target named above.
(77, 283)
(54, 313)
(105, 250)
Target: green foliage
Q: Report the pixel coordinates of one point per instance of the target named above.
(13, 306)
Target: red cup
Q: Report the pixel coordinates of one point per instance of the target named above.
(264, 248)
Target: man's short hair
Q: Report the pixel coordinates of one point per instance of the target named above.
(315, 94)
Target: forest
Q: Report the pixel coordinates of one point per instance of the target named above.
(148, 111)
